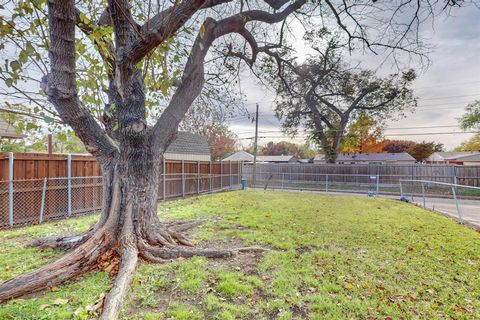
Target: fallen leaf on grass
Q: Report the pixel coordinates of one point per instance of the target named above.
(60, 301)
(78, 311)
(44, 307)
(397, 298)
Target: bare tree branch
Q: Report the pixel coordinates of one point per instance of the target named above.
(193, 77)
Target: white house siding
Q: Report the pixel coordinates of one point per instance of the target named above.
(187, 157)
(471, 163)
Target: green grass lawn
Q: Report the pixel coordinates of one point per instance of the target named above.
(332, 257)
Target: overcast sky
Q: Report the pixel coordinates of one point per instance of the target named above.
(444, 89)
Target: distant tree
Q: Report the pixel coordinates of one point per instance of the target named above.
(471, 119)
(421, 151)
(221, 141)
(209, 121)
(365, 135)
(374, 147)
(397, 146)
(308, 151)
(473, 144)
(63, 142)
(249, 148)
(287, 148)
(21, 145)
(324, 94)
(66, 142)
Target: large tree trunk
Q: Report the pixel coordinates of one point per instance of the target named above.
(330, 154)
(128, 228)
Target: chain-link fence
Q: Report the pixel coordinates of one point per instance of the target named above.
(372, 184)
(25, 202)
(34, 201)
(354, 183)
(458, 201)
(175, 185)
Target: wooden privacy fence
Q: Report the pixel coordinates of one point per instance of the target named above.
(38, 187)
(389, 174)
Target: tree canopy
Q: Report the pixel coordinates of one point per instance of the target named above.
(325, 93)
(287, 148)
(397, 146)
(421, 151)
(471, 119)
(472, 144)
(364, 135)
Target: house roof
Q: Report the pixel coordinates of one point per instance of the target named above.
(440, 156)
(189, 143)
(245, 156)
(239, 156)
(470, 157)
(401, 156)
(8, 131)
(304, 160)
(274, 158)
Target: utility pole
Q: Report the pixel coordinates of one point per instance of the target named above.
(255, 149)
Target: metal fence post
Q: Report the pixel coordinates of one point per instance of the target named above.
(240, 172)
(378, 185)
(454, 193)
(198, 177)
(283, 178)
(454, 174)
(42, 205)
(183, 179)
(230, 173)
(164, 169)
(326, 183)
(423, 194)
(221, 175)
(69, 185)
(401, 189)
(210, 176)
(10, 188)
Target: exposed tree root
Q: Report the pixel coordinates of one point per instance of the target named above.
(61, 242)
(129, 254)
(73, 263)
(118, 257)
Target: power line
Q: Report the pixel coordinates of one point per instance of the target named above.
(386, 135)
(422, 99)
(395, 128)
(443, 104)
(430, 133)
(423, 127)
(450, 84)
(450, 97)
(419, 108)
